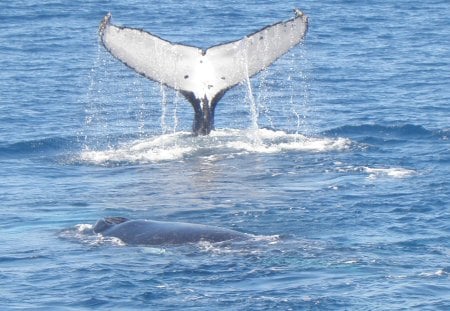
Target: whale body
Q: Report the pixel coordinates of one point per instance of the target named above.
(202, 76)
(150, 232)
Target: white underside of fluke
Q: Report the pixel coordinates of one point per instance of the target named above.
(204, 73)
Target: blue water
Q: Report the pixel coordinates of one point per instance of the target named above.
(337, 161)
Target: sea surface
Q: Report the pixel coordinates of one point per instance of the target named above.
(336, 159)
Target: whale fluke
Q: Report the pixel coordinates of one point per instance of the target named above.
(202, 75)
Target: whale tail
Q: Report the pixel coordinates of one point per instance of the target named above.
(202, 75)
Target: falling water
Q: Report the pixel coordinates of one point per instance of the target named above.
(162, 91)
(95, 120)
(169, 109)
(109, 114)
(262, 99)
(175, 110)
(252, 105)
(300, 103)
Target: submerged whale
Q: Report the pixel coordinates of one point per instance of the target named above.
(202, 76)
(150, 232)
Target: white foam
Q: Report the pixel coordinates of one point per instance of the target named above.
(438, 273)
(271, 239)
(157, 149)
(225, 143)
(83, 228)
(84, 234)
(394, 172)
(254, 245)
(100, 239)
(374, 173)
(268, 141)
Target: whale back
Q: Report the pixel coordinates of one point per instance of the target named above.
(150, 232)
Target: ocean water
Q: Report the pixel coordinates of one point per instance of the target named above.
(336, 159)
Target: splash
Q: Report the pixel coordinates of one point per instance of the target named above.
(220, 144)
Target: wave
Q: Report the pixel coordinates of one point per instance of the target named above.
(22, 256)
(38, 146)
(395, 132)
(223, 143)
